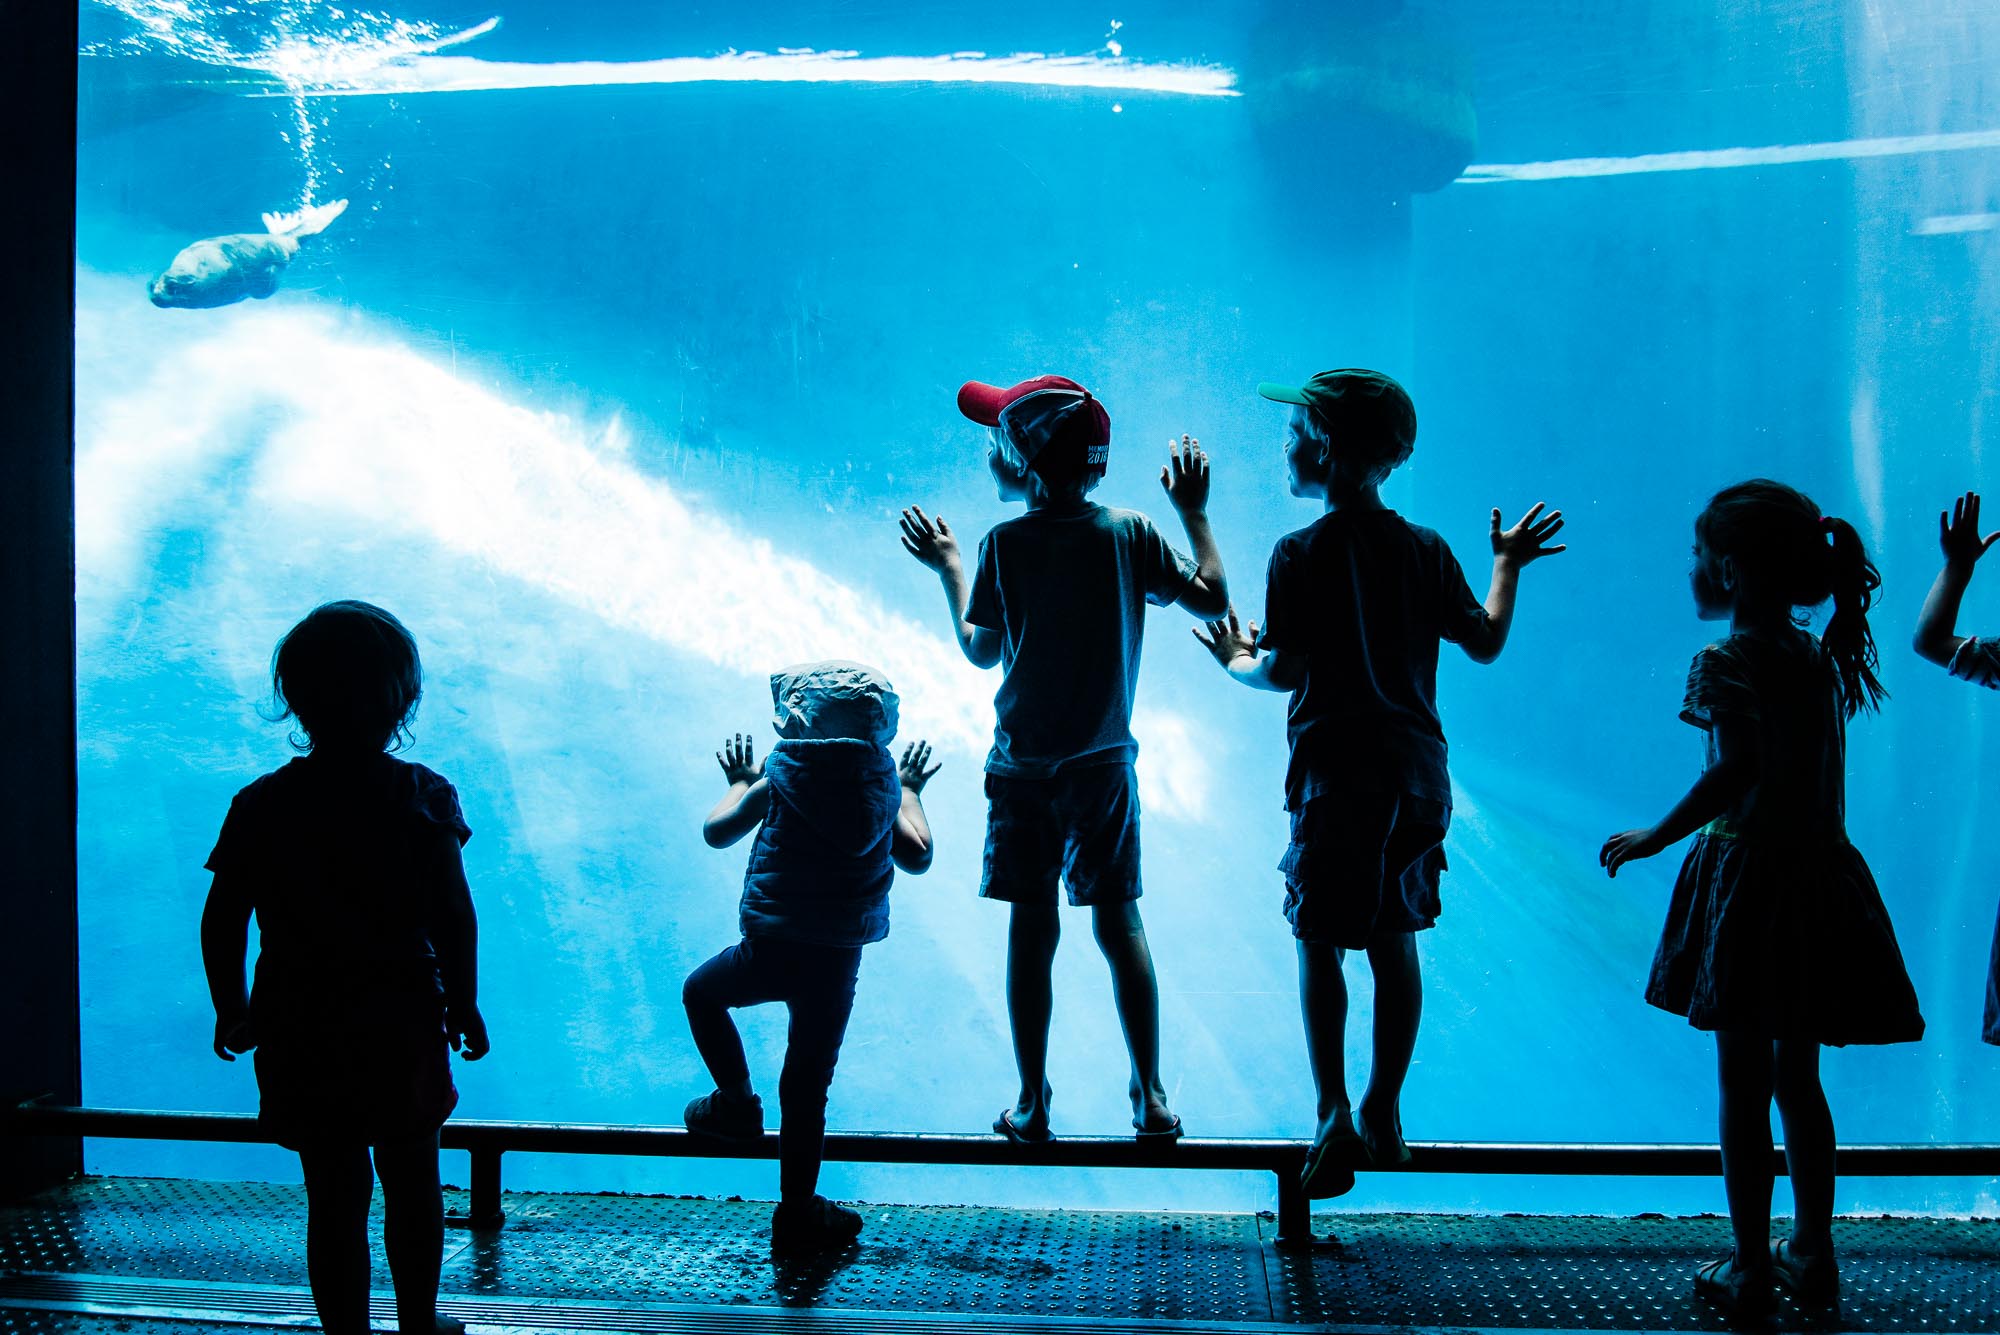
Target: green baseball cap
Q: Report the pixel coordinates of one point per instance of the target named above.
(1352, 399)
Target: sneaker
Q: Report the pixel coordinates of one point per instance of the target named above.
(817, 1226)
(1813, 1281)
(716, 1114)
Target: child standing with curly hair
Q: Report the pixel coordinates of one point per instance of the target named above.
(367, 973)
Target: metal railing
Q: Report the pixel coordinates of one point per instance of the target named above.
(487, 1142)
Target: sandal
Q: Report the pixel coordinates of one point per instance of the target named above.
(1166, 1133)
(1329, 1167)
(1735, 1290)
(1813, 1281)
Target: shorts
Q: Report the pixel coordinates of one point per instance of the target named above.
(1080, 824)
(1363, 863)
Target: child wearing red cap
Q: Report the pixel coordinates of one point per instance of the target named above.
(1058, 598)
(1355, 606)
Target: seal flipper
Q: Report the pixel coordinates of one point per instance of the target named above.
(308, 221)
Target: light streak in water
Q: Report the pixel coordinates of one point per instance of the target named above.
(1714, 159)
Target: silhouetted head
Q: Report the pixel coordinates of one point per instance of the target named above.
(1350, 429)
(1762, 541)
(349, 674)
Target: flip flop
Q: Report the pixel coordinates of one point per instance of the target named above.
(1168, 1133)
(1329, 1169)
(1004, 1124)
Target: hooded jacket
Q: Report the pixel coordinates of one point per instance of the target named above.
(819, 872)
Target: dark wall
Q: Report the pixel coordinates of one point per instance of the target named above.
(38, 976)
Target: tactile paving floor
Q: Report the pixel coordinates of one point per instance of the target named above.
(957, 1264)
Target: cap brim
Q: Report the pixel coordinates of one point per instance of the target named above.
(982, 402)
(1278, 393)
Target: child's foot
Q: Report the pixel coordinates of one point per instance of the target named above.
(1382, 1142)
(812, 1228)
(1027, 1122)
(726, 1118)
(1812, 1280)
(1735, 1289)
(443, 1325)
(1329, 1170)
(1151, 1117)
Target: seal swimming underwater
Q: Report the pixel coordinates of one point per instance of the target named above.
(219, 270)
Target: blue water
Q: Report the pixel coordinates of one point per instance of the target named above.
(612, 391)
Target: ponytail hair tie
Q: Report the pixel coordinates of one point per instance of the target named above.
(1826, 522)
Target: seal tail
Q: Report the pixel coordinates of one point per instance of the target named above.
(308, 221)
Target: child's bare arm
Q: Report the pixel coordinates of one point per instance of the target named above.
(455, 937)
(1185, 479)
(910, 845)
(742, 808)
(1513, 551)
(225, 940)
(1937, 636)
(1243, 658)
(1733, 774)
(933, 543)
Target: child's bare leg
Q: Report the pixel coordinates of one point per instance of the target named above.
(1399, 1008)
(1323, 1003)
(1032, 933)
(1809, 1146)
(413, 1231)
(339, 1183)
(1121, 935)
(1744, 1064)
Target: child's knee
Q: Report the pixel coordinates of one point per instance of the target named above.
(1034, 924)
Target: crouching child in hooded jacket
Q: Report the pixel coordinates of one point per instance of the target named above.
(835, 815)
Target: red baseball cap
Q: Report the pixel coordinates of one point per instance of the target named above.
(1044, 407)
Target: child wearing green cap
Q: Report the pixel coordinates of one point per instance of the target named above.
(1058, 598)
(1356, 605)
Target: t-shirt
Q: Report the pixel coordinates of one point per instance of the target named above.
(1365, 596)
(1782, 685)
(1067, 590)
(327, 848)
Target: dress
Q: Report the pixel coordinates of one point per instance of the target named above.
(1776, 926)
(348, 1006)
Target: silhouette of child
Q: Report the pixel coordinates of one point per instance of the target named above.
(367, 972)
(1776, 938)
(832, 811)
(1058, 598)
(1969, 658)
(1355, 606)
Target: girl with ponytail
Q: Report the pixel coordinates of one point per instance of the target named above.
(1776, 939)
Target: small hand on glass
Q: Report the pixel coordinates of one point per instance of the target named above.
(911, 769)
(466, 1028)
(738, 758)
(929, 540)
(1524, 543)
(232, 1035)
(1958, 533)
(1185, 476)
(1629, 846)
(1228, 640)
